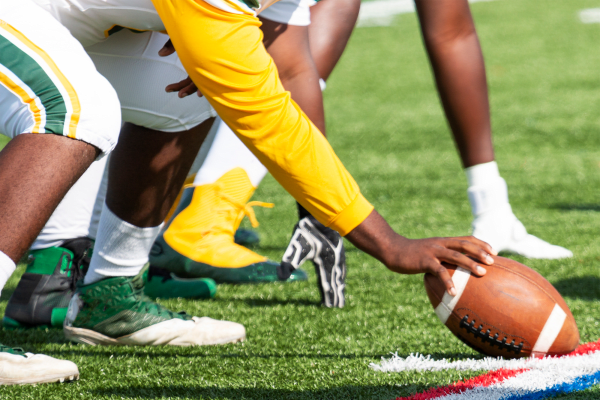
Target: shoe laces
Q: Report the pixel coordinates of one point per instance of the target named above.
(144, 304)
(78, 268)
(246, 208)
(238, 207)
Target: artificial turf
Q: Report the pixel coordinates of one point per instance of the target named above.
(385, 122)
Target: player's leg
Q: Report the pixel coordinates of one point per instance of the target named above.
(145, 171)
(61, 253)
(332, 23)
(58, 258)
(459, 71)
(50, 87)
(129, 61)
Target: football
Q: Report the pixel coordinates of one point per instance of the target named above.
(511, 311)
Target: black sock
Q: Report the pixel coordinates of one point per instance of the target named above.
(302, 211)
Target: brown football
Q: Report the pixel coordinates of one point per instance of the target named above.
(511, 311)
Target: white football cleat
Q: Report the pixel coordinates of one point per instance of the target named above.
(20, 368)
(114, 311)
(495, 223)
(504, 232)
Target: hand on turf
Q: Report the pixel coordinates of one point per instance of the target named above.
(183, 88)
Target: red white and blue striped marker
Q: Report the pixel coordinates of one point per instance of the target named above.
(517, 379)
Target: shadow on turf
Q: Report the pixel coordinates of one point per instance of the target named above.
(6, 293)
(581, 287)
(576, 207)
(186, 352)
(198, 392)
(276, 302)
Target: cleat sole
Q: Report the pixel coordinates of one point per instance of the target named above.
(93, 338)
(36, 380)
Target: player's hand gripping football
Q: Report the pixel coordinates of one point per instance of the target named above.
(183, 88)
(414, 256)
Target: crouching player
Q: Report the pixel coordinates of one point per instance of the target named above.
(237, 76)
(450, 39)
(59, 257)
(61, 115)
(147, 170)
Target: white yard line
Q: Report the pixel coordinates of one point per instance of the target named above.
(382, 12)
(588, 16)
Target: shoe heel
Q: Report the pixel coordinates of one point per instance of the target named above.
(9, 323)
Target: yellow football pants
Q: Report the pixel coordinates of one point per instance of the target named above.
(224, 55)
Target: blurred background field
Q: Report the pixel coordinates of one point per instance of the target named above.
(386, 124)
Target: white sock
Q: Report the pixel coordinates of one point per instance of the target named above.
(494, 220)
(482, 174)
(487, 189)
(121, 248)
(226, 153)
(322, 84)
(7, 267)
(99, 204)
(71, 219)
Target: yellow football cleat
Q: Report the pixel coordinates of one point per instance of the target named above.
(199, 241)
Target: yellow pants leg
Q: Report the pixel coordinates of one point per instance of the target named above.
(224, 55)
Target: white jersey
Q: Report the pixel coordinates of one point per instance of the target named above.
(92, 21)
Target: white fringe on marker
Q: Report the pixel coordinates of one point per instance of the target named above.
(419, 362)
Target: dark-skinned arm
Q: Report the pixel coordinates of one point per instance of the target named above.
(374, 235)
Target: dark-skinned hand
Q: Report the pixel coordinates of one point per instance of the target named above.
(415, 256)
(183, 88)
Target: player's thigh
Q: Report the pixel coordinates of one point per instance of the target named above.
(48, 84)
(131, 64)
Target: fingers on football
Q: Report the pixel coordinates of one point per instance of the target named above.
(480, 243)
(442, 273)
(473, 247)
(461, 260)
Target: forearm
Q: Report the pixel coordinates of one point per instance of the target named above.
(459, 70)
(288, 45)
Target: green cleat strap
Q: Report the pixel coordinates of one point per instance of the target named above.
(58, 316)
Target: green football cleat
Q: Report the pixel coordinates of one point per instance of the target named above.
(246, 237)
(166, 257)
(160, 283)
(114, 311)
(45, 289)
(20, 368)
